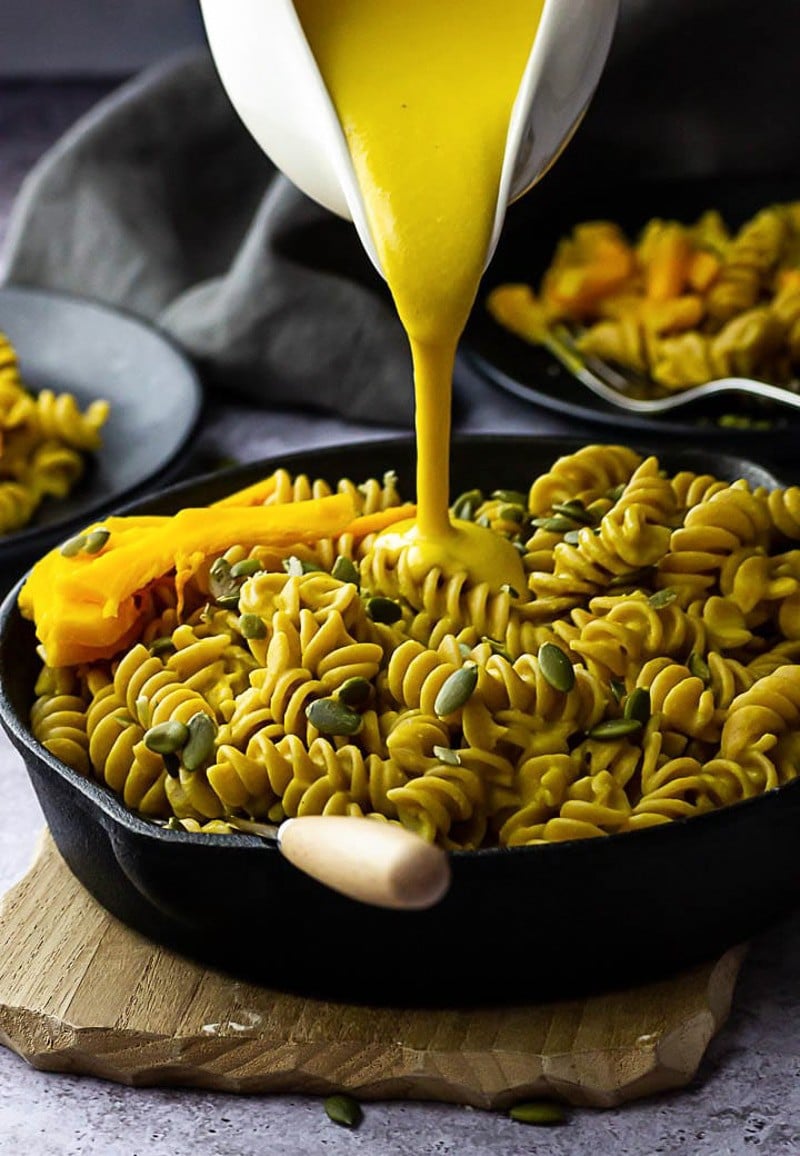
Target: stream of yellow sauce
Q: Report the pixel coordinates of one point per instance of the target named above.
(424, 91)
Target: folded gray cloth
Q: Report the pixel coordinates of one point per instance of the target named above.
(160, 202)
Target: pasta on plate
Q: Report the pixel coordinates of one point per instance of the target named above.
(44, 440)
(649, 671)
(681, 305)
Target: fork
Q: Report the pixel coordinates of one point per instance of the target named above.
(616, 388)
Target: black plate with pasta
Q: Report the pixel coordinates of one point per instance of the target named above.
(520, 922)
(72, 346)
(533, 228)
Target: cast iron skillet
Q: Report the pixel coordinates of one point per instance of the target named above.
(521, 923)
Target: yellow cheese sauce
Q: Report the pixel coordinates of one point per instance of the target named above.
(424, 91)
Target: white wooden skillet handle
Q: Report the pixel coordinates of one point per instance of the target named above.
(373, 862)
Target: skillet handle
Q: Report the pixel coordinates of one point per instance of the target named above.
(373, 862)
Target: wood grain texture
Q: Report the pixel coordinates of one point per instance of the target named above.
(81, 993)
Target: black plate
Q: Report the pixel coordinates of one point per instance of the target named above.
(533, 227)
(519, 923)
(66, 343)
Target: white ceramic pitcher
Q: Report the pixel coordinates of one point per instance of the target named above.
(272, 79)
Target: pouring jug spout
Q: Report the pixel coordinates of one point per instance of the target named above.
(272, 79)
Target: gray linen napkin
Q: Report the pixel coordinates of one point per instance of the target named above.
(159, 202)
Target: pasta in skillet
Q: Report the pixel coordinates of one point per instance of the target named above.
(43, 443)
(649, 672)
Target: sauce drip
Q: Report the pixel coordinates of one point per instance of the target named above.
(424, 92)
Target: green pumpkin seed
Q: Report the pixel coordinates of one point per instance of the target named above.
(344, 1110)
(464, 649)
(617, 689)
(456, 690)
(632, 578)
(96, 540)
(73, 546)
(616, 493)
(556, 668)
(173, 824)
(513, 497)
(520, 546)
(662, 598)
(222, 586)
(496, 648)
(466, 504)
(510, 590)
(253, 627)
(511, 513)
(542, 1112)
(332, 717)
(637, 706)
(575, 511)
(246, 568)
(557, 525)
(614, 728)
(344, 570)
(384, 610)
(484, 520)
(572, 537)
(699, 668)
(445, 755)
(142, 705)
(167, 738)
(200, 745)
(160, 646)
(355, 692)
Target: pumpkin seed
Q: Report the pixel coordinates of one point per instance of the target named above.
(662, 598)
(456, 690)
(483, 521)
(614, 728)
(542, 1112)
(96, 540)
(617, 689)
(496, 648)
(163, 645)
(246, 568)
(468, 501)
(346, 571)
(637, 706)
(222, 586)
(200, 745)
(556, 668)
(355, 692)
(166, 738)
(511, 513)
(632, 578)
(332, 717)
(575, 511)
(557, 524)
(616, 493)
(384, 610)
(572, 537)
(510, 590)
(512, 497)
(446, 755)
(253, 627)
(699, 668)
(464, 649)
(173, 824)
(142, 705)
(520, 546)
(73, 546)
(344, 1110)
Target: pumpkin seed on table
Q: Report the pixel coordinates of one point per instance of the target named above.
(332, 717)
(167, 738)
(614, 728)
(541, 1112)
(637, 706)
(344, 570)
(556, 668)
(456, 691)
(384, 610)
(344, 1110)
(200, 745)
(252, 627)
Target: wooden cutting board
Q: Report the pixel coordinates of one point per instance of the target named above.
(81, 993)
